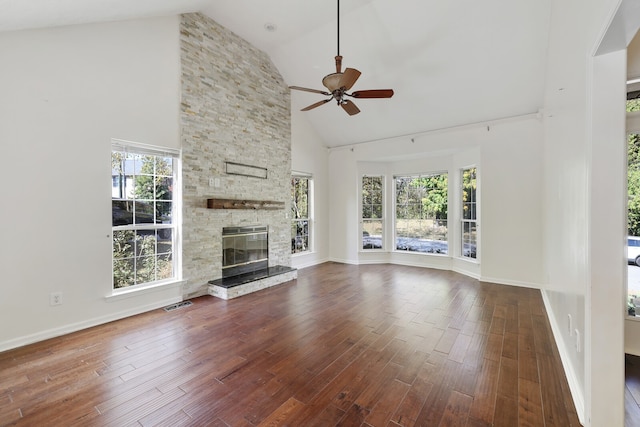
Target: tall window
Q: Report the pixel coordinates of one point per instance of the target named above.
(469, 213)
(421, 213)
(633, 210)
(372, 212)
(300, 213)
(143, 214)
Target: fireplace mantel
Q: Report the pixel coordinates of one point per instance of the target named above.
(244, 204)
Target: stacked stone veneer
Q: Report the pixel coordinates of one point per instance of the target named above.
(235, 107)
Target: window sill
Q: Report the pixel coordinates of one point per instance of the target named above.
(396, 251)
(469, 260)
(299, 254)
(120, 294)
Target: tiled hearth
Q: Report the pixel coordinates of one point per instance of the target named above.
(233, 287)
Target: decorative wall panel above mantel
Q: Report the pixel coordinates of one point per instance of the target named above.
(244, 204)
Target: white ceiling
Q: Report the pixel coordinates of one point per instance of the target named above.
(450, 63)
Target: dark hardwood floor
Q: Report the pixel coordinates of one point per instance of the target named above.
(373, 345)
(632, 391)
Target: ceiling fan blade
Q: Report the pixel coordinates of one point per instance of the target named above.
(349, 78)
(306, 89)
(375, 93)
(350, 107)
(317, 104)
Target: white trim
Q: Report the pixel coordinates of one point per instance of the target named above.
(536, 115)
(517, 283)
(310, 263)
(134, 291)
(572, 380)
(344, 261)
(78, 326)
(140, 148)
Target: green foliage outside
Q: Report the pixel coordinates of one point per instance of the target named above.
(633, 175)
(422, 197)
(299, 198)
(469, 187)
(154, 183)
(299, 214)
(145, 267)
(421, 207)
(372, 197)
(140, 257)
(633, 189)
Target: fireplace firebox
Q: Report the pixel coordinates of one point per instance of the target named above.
(245, 263)
(245, 250)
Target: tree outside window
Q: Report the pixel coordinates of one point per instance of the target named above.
(142, 217)
(372, 212)
(421, 213)
(633, 215)
(469, 213)
(300, 214)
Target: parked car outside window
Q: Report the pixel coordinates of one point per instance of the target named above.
(633, 250)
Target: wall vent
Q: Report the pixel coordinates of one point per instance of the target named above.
(178, 305)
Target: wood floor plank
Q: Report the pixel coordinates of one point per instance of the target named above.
(484, 402)
(282, 414)
(409, 409)
(530, 404)
(387, 403)
(345, 345)
(456, 410)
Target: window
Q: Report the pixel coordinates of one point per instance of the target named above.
(633, 206)
(372, 212)
(143, 212)
(469, 213)
(421, 213)
(300, 213)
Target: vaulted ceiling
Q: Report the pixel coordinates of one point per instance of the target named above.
(450, 63)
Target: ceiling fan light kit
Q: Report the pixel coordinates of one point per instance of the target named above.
(339, 83)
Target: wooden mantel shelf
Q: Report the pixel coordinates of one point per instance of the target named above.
(244, 204)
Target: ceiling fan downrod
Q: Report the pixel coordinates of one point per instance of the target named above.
(338, 57)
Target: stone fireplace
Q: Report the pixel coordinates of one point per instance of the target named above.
(231, 121)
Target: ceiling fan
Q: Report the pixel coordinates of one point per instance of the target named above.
(339, 83)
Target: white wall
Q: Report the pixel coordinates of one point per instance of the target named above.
(65, 93)
(584, 202)
(509, 158)
(309, 155)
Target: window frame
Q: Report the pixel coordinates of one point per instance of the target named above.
(381, 219)
(309, 218)
(172, 228)
(395, 213)
(472, 220)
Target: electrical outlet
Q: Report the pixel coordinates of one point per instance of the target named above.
(55, 298)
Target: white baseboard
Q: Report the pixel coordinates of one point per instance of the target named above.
(574, 387)
(73, 327)
(510, 282)
(344, 261)
(309, 264)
